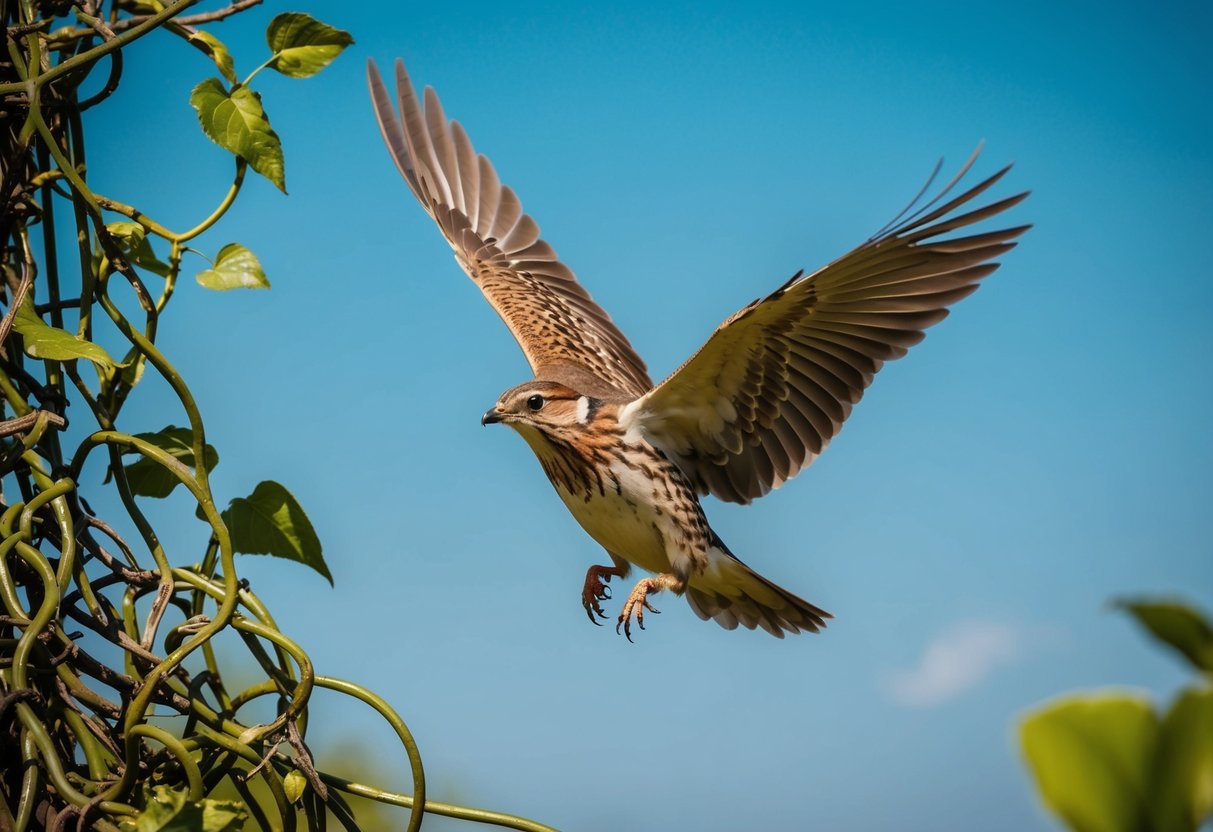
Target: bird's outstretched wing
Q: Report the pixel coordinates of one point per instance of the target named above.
(773, 385)
(564, 334)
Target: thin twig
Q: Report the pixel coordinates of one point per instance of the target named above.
(23, 423)
(18, 31)
(219, 14)
(97, 23)
(27, 279)
(265, 759)
(163, 595)
(63, 303)
(189, 20)
(303, 759)
(130, 575)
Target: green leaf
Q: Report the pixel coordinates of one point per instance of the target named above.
(1182, 794)
(163, 805)
(270, 521)
(1091, 757)
(128, 374)
(235, 268)
(220, 816)
(217, 51)
(302, 45)
(168, 810)
(132, 367)
(236, 122)
(1176, 625)
(132, 240)
(149, 478)
(45, 341)
(294, 785)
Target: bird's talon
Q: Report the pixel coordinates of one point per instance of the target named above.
(595, 589)
(625, 621)
(638, 601)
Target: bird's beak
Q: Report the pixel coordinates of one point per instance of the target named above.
(491, 416)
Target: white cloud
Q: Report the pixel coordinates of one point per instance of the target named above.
(955, 661)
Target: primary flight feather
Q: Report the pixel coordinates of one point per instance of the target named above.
(747, 412)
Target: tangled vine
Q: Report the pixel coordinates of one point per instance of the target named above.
(95, 630)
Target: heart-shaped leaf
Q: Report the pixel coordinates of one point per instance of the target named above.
(302, 45)
(45, 341)
(235, 268)
(237, 122)
(270, 521)
(294, 785)
(148, 478)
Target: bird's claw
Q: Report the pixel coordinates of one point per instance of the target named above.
(636, 604)
(595, 590)
(594, 612)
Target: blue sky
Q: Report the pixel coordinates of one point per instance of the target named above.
(1044, 450)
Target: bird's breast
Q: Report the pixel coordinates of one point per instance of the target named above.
(631, 500)
(621, 515)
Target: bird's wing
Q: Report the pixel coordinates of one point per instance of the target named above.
(564, 334)
(773, 385)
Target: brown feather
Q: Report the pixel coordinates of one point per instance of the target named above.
(555, 321)
(783, 373)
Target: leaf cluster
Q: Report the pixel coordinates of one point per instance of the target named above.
(232, 114)
(1113, 762)
(105, 625)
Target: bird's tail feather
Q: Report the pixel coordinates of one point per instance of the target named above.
(731, 593)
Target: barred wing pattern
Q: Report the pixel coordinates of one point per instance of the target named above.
(775, 382)
(564, 334)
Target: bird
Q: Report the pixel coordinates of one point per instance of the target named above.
(758, 402)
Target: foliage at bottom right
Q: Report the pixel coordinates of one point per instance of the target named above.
(1114, 760)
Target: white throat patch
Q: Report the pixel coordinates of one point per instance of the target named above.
(583, 410)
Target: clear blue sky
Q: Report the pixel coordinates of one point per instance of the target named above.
(1046, 449)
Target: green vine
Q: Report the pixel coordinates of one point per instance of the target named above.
(95, 630)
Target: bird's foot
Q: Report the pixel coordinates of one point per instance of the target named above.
(596, 589)
(638, 601)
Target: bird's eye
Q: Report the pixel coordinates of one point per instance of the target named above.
(535, 402)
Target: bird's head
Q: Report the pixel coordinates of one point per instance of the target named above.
(543, 406)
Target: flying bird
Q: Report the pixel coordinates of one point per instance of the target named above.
(751, 409)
